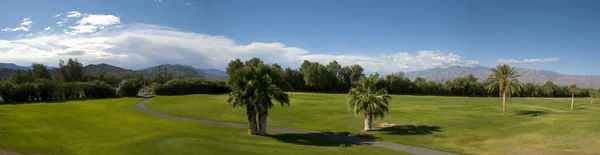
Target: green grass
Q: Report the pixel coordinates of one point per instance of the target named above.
(456, 124)
(114, 126)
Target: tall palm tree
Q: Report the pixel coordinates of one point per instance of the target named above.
(504, 79)
(254, 85)
(574, 90)
(369, 99)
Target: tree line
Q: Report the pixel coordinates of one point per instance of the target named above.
(333, 78)
(38, 84)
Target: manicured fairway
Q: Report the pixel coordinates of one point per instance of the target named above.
(455, 124)
(114, 126)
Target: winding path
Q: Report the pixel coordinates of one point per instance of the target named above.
(141, 106)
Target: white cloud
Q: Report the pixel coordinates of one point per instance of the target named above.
(24, 26)
(58, 15)
(73, 14)
(140, 45)
(91, 23)
(527, 61)
(47, 28)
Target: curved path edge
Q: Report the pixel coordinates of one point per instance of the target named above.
(141, 106)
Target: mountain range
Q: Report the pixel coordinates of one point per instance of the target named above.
(7, 69)
(435, 74)
(527, 75)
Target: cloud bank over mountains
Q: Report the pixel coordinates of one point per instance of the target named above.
(102, 38)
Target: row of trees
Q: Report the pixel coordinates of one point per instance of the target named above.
(190, 86)
(333, 78)
(37, 84)
(44, 89)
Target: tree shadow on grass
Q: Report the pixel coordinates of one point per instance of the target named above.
(326, 139)
(304, 139)
(410, 130)
(532, 113)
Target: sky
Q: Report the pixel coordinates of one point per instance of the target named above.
(382, 36)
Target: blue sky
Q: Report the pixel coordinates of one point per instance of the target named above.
(386, 36)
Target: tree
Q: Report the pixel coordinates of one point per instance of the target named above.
(295, 79)
(504, 79)
(72, 71)
(129, 87)
(397, 83)
(368, 99)
(254, 86)
(318, 76)
(548, 89)
(420, 86)
(574, 90)
(39, 71)
(594, 94)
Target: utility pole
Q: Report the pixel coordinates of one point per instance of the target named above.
(165, 74)
(159, 78)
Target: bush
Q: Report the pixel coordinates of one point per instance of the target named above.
(7, 89)
(99, 89)
(45, 88)
(129, 87)
(68, 90)
(190, 86)
(24, 91)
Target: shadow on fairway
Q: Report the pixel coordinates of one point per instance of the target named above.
(328, 139)
(532, 113)
(410, 130)
(308, 139)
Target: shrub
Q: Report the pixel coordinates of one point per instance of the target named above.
(45, 88)
(67, 90)
(7, 89)
(99, 89)
(24, 91)
(129, 87)
(190, 86)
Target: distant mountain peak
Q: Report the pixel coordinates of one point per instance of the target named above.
(527, 75)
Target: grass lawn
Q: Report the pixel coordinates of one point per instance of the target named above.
(114, 126)
(456, 124)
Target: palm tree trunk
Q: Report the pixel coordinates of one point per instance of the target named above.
(592, 101)
(251, 112)
(368, 122)
(503, 103)
(572, 100)
(262, 120)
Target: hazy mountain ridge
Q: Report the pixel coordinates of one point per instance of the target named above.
(17, 67)
(177, 70)
(527, 75)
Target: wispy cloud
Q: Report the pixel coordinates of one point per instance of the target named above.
(527, 61)
(24, 26)
(73, 14)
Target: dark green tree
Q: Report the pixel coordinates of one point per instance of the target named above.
(71, 71)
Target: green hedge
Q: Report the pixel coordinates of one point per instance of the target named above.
(190, 86)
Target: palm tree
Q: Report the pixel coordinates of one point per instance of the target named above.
(574, 90)
(254, 85)
(504, 79)
(368, 99)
